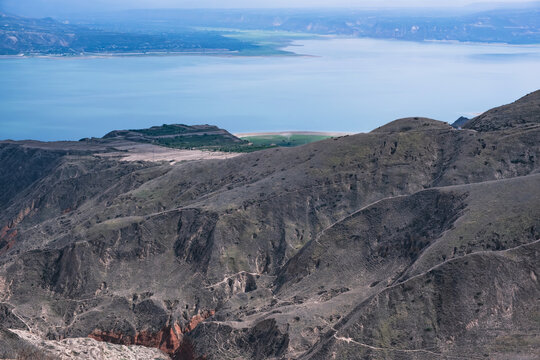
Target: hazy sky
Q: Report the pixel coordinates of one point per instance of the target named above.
(51, 7)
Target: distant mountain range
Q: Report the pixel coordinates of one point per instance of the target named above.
(415, 241)
(47, 36)
(182, 31)
(509, 25)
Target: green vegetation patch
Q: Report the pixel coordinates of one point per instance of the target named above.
(166, 130)
(196, 141)
(249, 143)
(283, 140)
(208, 142)
(264, 42)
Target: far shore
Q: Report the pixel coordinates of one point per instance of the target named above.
(227, 53)
(289, 133)
(280, 51)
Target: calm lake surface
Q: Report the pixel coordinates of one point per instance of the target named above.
(347, 85)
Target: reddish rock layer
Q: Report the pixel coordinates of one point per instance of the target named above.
(8, 232)
(168, 339)
(7, 241)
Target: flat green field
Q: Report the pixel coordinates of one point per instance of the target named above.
(284, 140)
(269, 42)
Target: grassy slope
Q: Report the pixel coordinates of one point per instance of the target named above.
(286, 141)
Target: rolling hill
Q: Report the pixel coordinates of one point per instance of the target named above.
(414, 241)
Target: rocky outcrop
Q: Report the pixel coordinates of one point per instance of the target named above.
(169, 339)
(263, 340)
(80, 348)
(195, 237)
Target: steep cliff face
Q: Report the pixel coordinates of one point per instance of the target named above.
(22, 166)
(351, 246)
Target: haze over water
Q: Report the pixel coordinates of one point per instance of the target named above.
(350, 85)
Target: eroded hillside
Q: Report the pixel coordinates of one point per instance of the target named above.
(416, 241)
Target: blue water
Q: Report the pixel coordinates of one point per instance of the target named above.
(347, 85)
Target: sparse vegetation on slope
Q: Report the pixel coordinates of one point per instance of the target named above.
(284, 140)
(414, 241)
